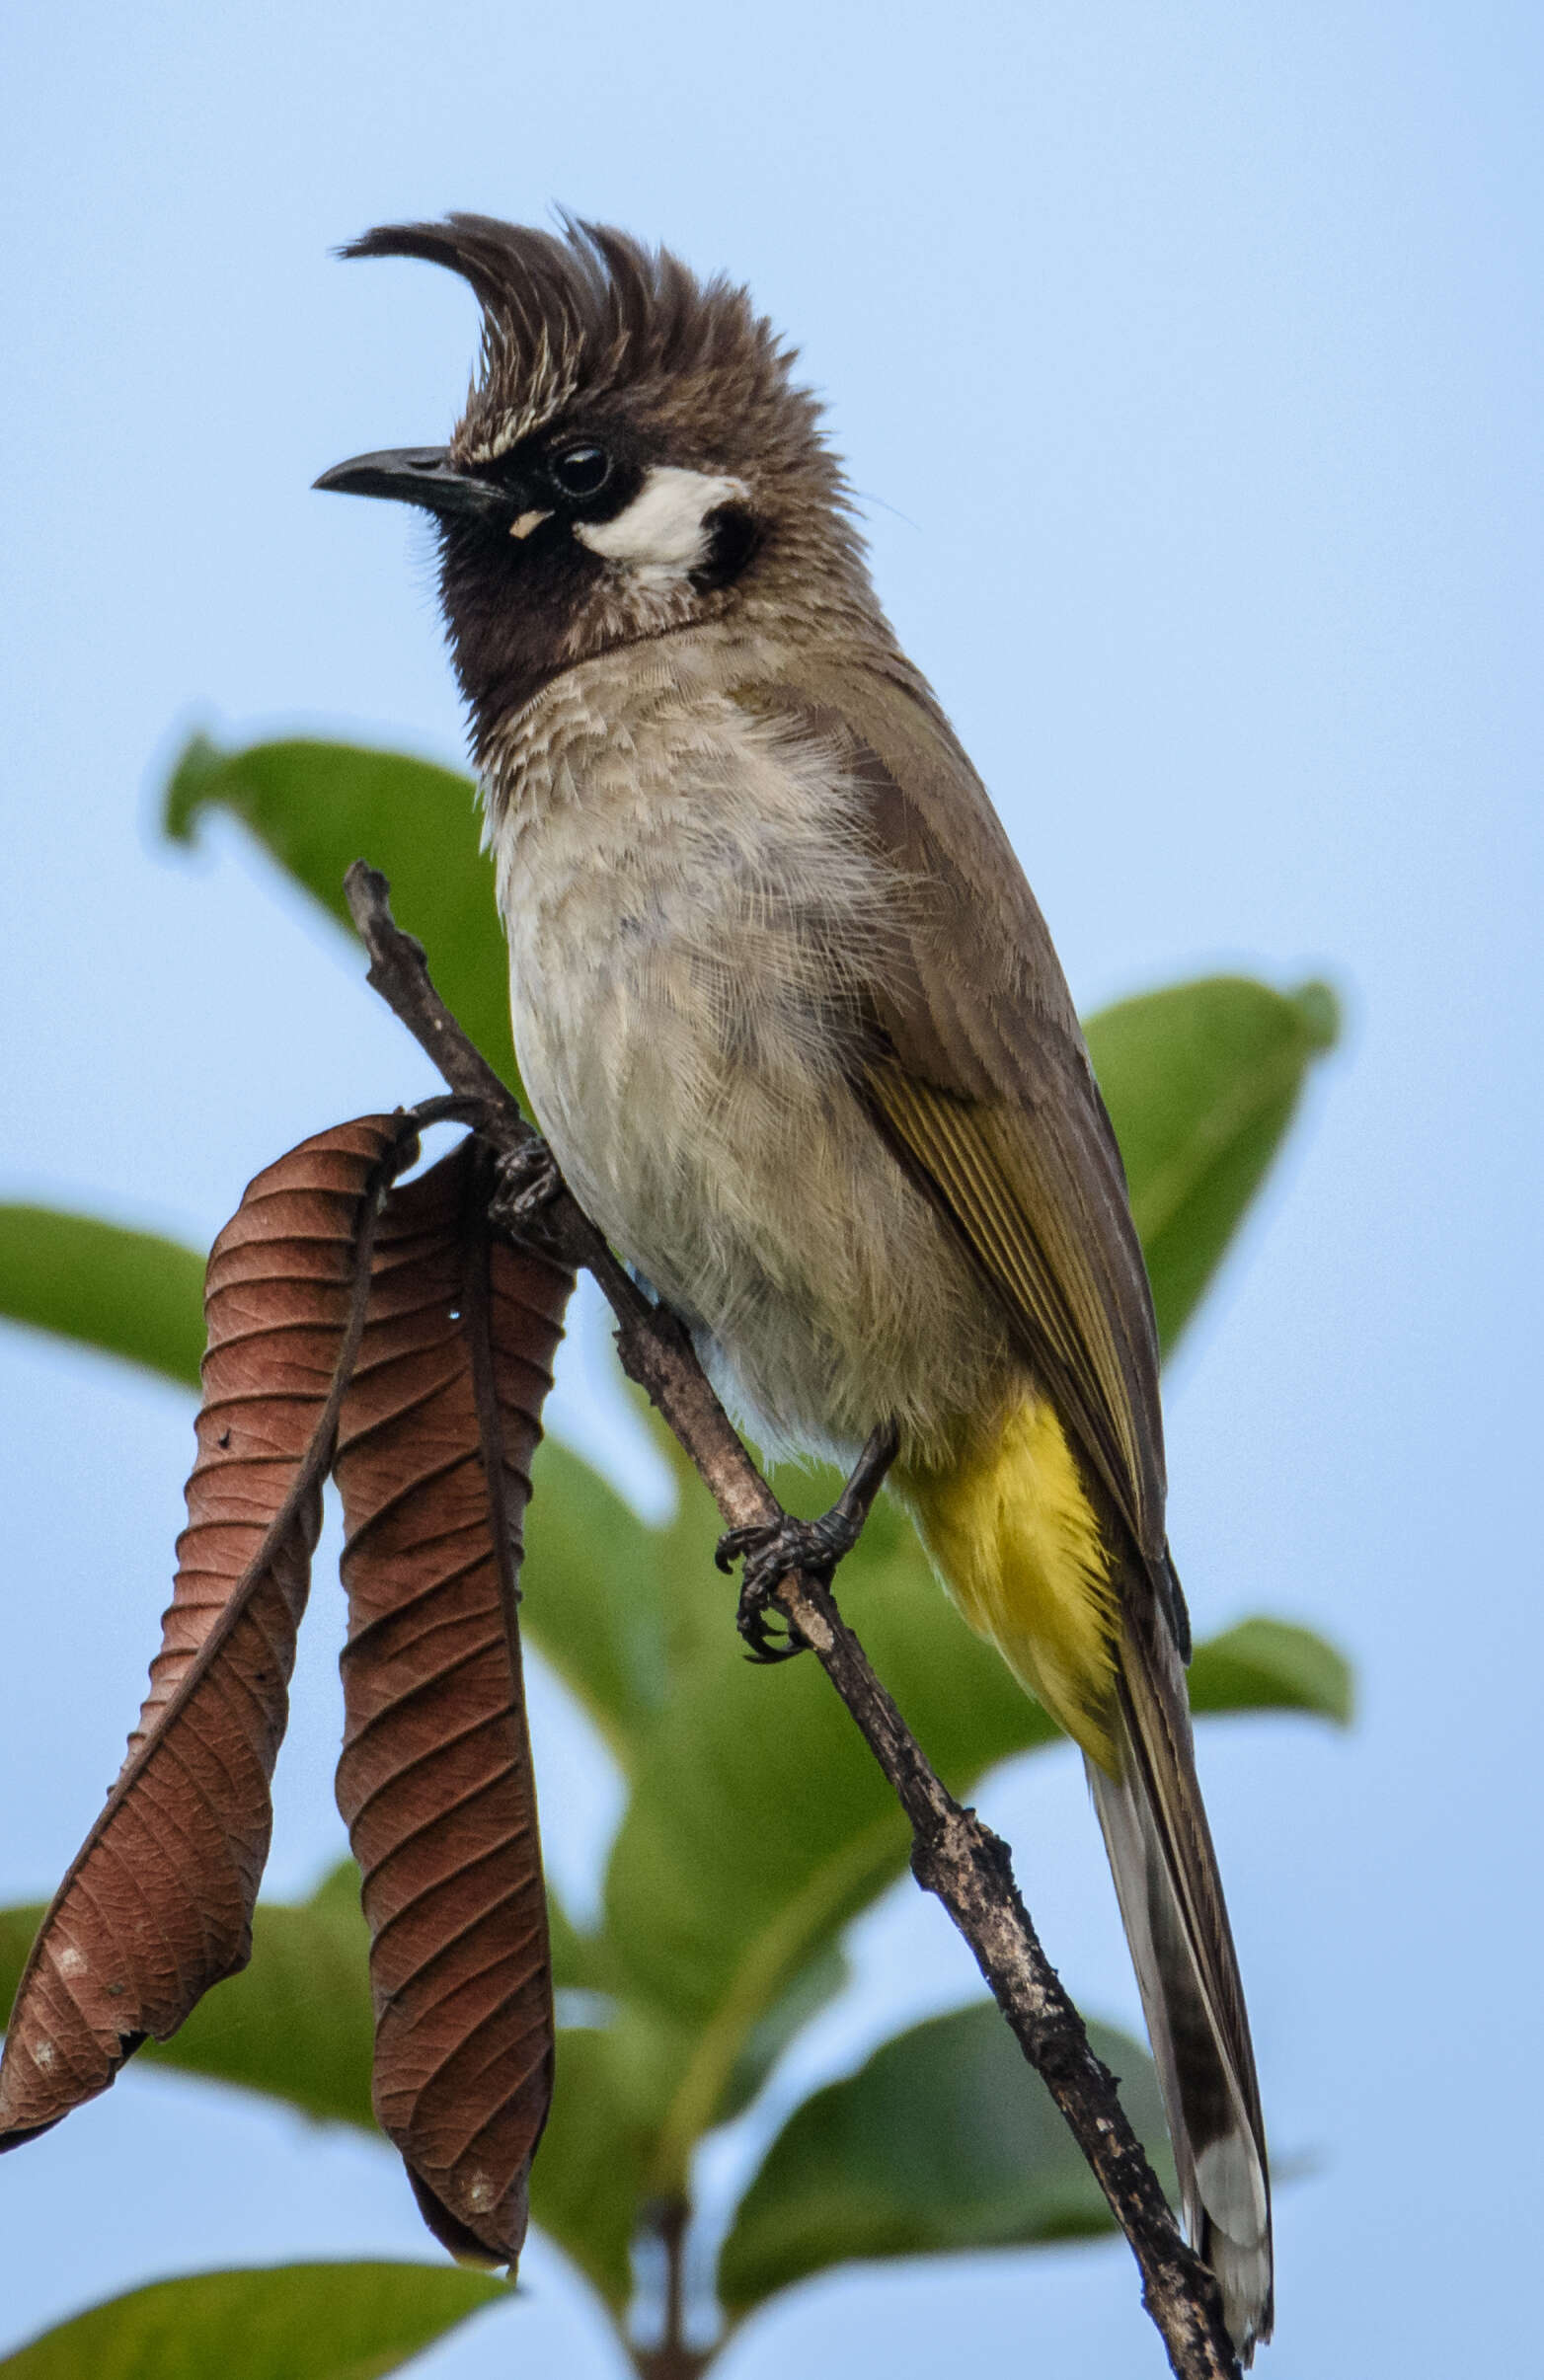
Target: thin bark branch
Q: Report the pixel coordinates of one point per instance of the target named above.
(670, 2358)
(952, 1855)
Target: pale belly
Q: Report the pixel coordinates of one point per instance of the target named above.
(673, 1010)
(751, 1189)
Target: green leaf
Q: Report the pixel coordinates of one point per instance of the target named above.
(588, 2176)
(127, 1293)
(814, 1986)
(1201, 1082)
(18, 1931)
(757, 1825)
(1271, 1665)
(945, 2140)
(593, 1595)
(318, 806)
(289, 2322)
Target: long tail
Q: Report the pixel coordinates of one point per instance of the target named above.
(1024, 1556)
(1171, 1901)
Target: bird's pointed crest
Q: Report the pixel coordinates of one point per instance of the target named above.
(589, 312)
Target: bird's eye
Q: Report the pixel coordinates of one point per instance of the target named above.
(580, 471)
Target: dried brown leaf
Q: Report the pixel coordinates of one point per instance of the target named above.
(158, 1903)
(434, 1463)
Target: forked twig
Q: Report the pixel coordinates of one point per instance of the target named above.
(952, 1855)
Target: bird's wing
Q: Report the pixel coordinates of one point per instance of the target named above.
(977, 1073)
(980, 1077)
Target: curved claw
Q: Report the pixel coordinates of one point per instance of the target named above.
(769, 1550)
(733, 1544)
(528, 1180)
(762, 1648)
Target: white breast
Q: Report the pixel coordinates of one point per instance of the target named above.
(692, 910)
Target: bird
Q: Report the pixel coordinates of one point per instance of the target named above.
(794, 1029)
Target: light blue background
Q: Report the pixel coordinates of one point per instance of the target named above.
(1196, 351)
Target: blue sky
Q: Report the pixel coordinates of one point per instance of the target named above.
(1190, 361)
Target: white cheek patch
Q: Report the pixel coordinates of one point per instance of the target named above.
(660, 536)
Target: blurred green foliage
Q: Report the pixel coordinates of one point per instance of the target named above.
(756, 1825)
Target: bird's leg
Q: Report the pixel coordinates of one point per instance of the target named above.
(772, 1548)
(527, 1181)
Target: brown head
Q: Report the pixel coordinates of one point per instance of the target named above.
(634, 459)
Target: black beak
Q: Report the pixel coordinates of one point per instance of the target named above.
(421, 475)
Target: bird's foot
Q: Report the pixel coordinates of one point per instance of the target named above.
(770, 1550)
(527, 1182)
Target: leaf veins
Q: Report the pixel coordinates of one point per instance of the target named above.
(434, 1464)
(157, 1905)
